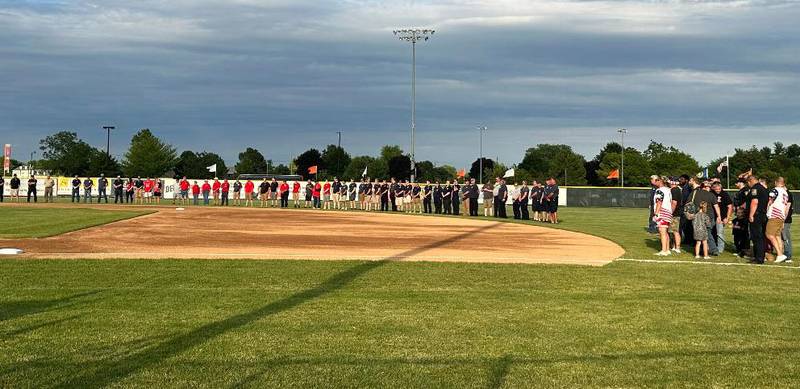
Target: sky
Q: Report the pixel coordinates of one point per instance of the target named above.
(285, 75)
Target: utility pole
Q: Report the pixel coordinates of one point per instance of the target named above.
(413, 35)
(339, 145)
(481, 129)
(622, 132)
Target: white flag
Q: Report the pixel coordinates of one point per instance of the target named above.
(509, 173)
(212, 168)
(722, 165)
(365, 172)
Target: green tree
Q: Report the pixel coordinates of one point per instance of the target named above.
(310, 157)
(669, 161)
(148, 156)
(388, 152)
(335, 160)
(400, 167)
(102, 163)
(64, 153)
(206, 159)
(637, 169)
(14, 163)
(356, 167)
(475, 169)
(251, 161)
(547, 160)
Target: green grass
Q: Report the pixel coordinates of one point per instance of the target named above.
(42, 222)
(386, 324)
(231, 323)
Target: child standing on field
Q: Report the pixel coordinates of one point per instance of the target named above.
(740, 234)
(701, 223)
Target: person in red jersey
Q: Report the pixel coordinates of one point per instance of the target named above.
(296, 194)
(148, 190)
(184, 187)
(284, 188)
(316, 193)
(326, 195)
(195, 192)
(206, 188)
(225, 188)
(215, 190)
(249, 187)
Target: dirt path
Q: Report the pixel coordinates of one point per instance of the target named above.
(308, 234)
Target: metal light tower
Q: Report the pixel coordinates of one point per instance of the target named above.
(481, 129)
(339, 145)
(413, 35)
(108, 139)
(622, 133)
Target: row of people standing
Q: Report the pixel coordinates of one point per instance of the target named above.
(543, 198)
(15, 186)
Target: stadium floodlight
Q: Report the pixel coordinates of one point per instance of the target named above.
(622, 133)
(481, 129)
(413, 35)
(108, 138)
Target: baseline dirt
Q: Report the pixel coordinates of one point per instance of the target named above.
(307, 234)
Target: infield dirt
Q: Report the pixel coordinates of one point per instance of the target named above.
(323, 235)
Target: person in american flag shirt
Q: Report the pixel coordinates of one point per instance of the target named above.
(662, 213)
(777, 210)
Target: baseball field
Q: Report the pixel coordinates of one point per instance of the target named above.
(210, 297)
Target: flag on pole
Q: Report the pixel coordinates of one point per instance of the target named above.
(703, 174)
(364, 174)
(613, 175)
(722, 165)
(509, 173)
(461, 173)
(212, 168)
(7, 159)
(312, 169)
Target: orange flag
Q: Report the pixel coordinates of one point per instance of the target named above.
(312, 169)
(461, 173)
(613, 175)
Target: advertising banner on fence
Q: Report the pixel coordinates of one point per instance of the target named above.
(7, 159)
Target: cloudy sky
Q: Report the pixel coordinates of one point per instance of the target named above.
(285, 75)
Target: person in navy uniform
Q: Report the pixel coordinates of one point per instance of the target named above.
(473, 192)
(32, 189)
(76, 190)
(427, 193)
(757, 217)
(437, 198)
(87, 190)
(455, 198)
(385, 197)
(447, 198)
(102, 184)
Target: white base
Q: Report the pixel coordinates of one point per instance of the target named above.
(180, 209)
(10, 251)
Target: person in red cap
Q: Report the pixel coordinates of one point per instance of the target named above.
(225, 188)
(296, 194)
(249, 187)
(215, 190)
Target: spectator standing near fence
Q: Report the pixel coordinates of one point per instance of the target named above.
(102, 188)
(49, 188)
(725, 204)
(237, 192)
(225, 189)
(777, 209)
(32, 189)
(76, 190)
(195, 193)
(662, 213)
(677, 213)
(206, 189)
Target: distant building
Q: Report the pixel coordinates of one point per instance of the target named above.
(24, 172)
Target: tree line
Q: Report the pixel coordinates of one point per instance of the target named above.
(64, 153)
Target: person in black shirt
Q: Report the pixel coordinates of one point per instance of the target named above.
(677, 213)
(385, 196)
(32, 189)
(399, 194)
(725, 212)
(392, 196)
(336, 192)
(455, 198)
(102, 188)
(427, 192)
(14, 184)
(757, 216)
(76, 190)
(117, 185)
(447, 196)
(524, 193)
(437, 198)
(500, 200)
(416, 201)
(2, 187)
(472, 194)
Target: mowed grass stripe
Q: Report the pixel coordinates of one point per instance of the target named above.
(387, 324)
(35, 222)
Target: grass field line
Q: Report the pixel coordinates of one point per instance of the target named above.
(668, 261)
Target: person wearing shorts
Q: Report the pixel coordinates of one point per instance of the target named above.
(147, 190)
(326, 195)
(263, 192)
(14, 185)
(309, 195)
(336, 189)
(184, 187)
(215, 189)
(296, 194)
(662, 214)
(777, 208)
(273, 193)
(237, 192)
(352, 191)
(249, 187)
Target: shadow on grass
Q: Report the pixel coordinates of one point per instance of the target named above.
(16, 309)
(498, 372)
(110, 371)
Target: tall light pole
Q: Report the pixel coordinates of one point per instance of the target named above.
(622, 133)
(108, 139)
(413, 35)
(481, 129)
(339, 145)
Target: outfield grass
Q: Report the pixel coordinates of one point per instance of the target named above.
(25, 222)
(386, 324)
